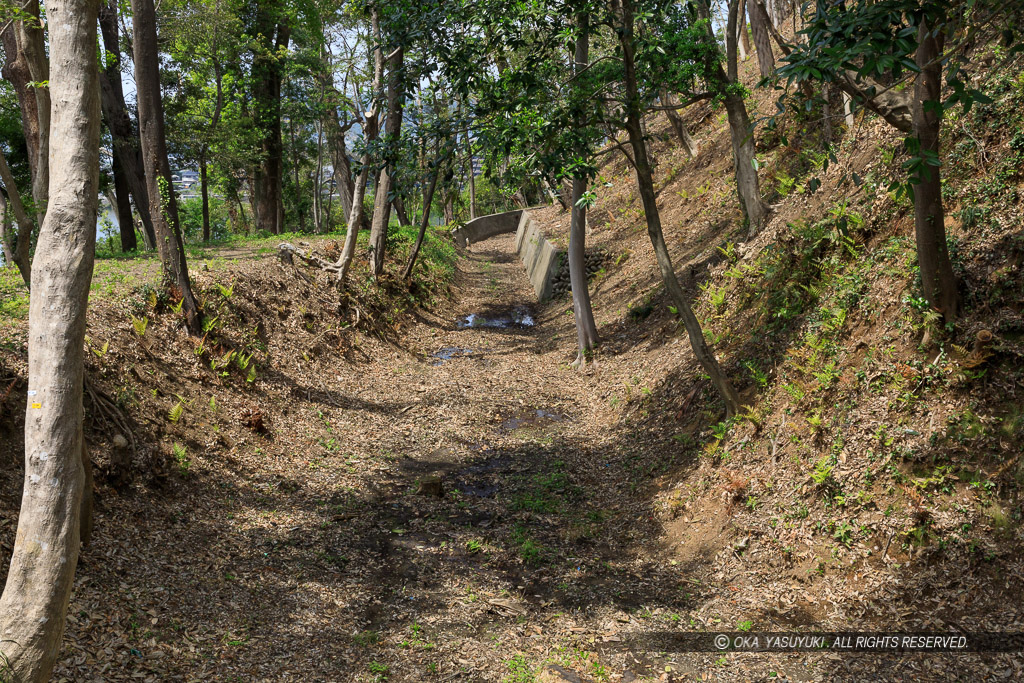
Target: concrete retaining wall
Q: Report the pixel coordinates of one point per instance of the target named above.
(485, 227)
(541, 258)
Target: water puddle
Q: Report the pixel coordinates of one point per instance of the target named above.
(449, 352)
(476, 489)
(517, 317)
(478, 480)
(531, 418)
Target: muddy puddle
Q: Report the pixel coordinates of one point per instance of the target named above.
(536, 418)
(517, 317)
(447, 353)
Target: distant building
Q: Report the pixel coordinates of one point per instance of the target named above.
(186, 182)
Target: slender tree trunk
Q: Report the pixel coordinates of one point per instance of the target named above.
(204, 192)
(449, 208)
(400, 212)
(586, 328)
(645, 185)
(937, 278)
(244, 223)
(428, 199)
(31, 45)
(163, 205)
(21, 254)
(744, 34)
(848, 110)
(747, 182)
(46, 548)
(371, 128)
(679, 126)
(741, 30)
(759, 22)
(6, 227)
(471, 172)
(392, 131)
(741, 132)
(16, 72)
(317, 198)
(300, 213)
(122, 132)
(123, 207)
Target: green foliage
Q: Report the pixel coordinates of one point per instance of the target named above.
(190, 216)
(435, 266)
(181, 459)
(13, 296)
(140, 325)
(822, 473)
(520, 670)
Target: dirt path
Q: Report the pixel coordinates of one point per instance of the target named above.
(322, 552)
(460, 506)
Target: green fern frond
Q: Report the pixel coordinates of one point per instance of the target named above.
(140, 325)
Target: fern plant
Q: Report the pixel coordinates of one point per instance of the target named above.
(102, 351)
(822, 471)
(181, 457)
(140, 325)
(175, 414)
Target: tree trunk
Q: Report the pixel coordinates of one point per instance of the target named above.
(318, 176)
(122, 132)
(163, 205)
(123, 207)
(204, 192)
(243, 222)
(392, 130)
(759, 22)
(400, 212)
(937, 278)
(645, 185)
(371, 129)
(31, 55)
(679, 126)
(741, 133)
(46, 548)
(21, 253)
(848, 110)
(586, 328)
(449, 208)
(6, 227)
(747, 183)
(428, 199)
(266, 73)
(300, 214)
(741, 31)
(744, 34)
(342, 167)
(16, 72)
(472, 179)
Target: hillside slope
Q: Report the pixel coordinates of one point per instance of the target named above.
(280, 519)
